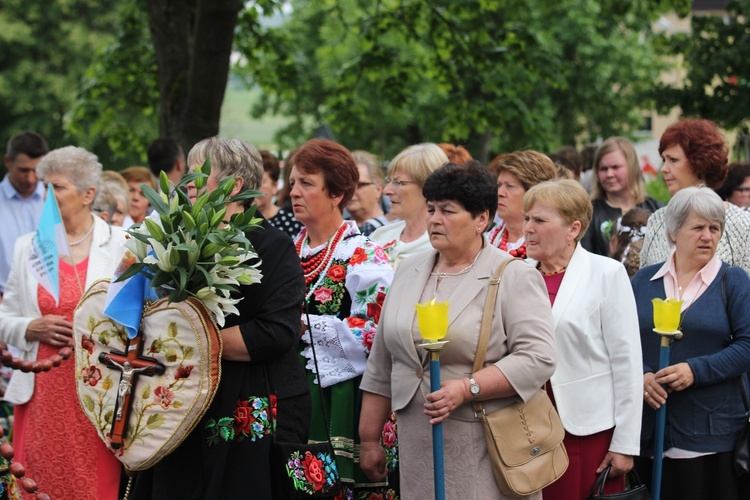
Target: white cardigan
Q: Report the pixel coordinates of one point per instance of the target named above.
(20, 306)
(598, 383)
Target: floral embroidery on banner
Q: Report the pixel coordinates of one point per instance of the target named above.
(251, 420)
(100, 403)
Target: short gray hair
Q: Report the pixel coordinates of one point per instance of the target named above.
(112, 191)
(702, 201)
(370, 161)
(79, 166)
(230, 158)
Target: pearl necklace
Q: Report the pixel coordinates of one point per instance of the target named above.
(84, 237)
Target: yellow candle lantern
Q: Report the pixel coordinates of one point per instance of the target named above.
(432, 318)
(667, 314)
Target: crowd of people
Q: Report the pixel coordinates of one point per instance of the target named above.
(346, 246)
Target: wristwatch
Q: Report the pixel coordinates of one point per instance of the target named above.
(474, 388)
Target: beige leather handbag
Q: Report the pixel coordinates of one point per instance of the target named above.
(524, 440)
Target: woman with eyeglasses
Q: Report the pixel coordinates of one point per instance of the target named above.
(365, 206)
(736, 187)
(694, 155)
(407, 173)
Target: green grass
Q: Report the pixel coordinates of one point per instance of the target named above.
(237, 122)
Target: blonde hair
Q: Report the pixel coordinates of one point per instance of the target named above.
(529, 167)
(567, 197)
(418, 161)
(141, 175)
(636, 186)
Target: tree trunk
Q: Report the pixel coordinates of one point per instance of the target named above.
(193, 44)
(484, 155)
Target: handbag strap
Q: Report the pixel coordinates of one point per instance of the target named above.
(634, 481)
(317, 378)
(745, 397)
(484, 332)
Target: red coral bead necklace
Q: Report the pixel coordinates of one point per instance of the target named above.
(519, 252)
(319, 263)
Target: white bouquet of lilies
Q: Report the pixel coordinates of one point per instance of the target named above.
(189, 249)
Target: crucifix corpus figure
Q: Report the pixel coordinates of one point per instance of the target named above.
(131, 364)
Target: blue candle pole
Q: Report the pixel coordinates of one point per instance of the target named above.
(437, 431)
(661, 419)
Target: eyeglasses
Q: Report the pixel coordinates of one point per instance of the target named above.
(743, 190)
(397, 183)
(364, 184)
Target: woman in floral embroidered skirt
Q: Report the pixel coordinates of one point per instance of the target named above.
(228, 455)
(347, 277)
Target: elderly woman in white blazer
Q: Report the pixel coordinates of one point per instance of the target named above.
(52, 436)
(597, 387)
(520, 356)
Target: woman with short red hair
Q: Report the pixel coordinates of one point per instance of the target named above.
(346, 277)
(694, 155)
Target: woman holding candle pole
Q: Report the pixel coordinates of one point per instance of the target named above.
(597, 385)
(346, 277)
(520, 356)
(705, 412)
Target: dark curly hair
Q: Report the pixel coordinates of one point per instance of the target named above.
(704, 148)
(738, 172)
(470, 184)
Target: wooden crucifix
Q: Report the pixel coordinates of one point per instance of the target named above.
(131, 364)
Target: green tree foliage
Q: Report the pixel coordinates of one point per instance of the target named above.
(45, 47)
(495, 74)
(717, 81)
(115, 113)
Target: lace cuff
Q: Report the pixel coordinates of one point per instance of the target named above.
(340, 355)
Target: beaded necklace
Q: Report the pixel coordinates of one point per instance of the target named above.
(83, 238)
(317, 265)
(550, 273)
(519, 252)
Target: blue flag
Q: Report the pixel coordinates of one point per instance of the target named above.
(124, 302)
(49, 243)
